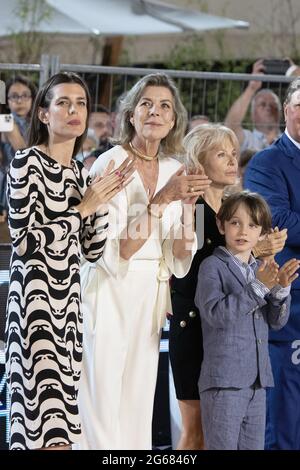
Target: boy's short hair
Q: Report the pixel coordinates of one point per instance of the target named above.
(257, 207)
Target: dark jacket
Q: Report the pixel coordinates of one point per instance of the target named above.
(275, 174)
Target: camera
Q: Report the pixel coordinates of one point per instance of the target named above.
(276, 66)
(6, 122)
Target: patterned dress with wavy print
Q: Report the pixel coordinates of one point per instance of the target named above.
(44, 320)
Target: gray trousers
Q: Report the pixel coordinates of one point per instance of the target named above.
(233, 419)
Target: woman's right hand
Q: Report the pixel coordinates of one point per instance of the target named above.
(104, 188)
(258, 68)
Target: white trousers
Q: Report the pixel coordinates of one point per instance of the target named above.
(120, 361)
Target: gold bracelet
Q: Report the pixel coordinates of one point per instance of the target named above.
(154, 214)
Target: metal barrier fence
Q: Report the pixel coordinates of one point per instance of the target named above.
(210, 93)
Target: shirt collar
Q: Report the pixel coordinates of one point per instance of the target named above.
(294, 141)
(252, 261)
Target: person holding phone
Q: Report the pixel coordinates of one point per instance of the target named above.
(20, 93)
(265, 114)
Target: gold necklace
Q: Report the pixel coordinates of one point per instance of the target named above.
(140, 154)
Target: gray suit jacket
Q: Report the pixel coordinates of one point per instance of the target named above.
(235, 323)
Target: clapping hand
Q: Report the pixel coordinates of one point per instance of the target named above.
(125, 170)
(287, 273)
(198, 171)
(267, 273)
(272, 244)
(184, 187)
(104, 188)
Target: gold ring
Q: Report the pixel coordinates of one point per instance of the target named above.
(191, 189)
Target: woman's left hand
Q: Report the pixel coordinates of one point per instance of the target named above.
(194, 199)
(182, 187)
(272, 244)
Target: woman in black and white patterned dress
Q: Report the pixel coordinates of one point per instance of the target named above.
(54, 215)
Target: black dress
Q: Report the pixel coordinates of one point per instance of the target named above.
(185, 337)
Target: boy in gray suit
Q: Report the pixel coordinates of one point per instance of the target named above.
(239, 298)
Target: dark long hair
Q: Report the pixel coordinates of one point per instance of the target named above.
(38, 131)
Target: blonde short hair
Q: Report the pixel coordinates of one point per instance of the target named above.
(204, 138)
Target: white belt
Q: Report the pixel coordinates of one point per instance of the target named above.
(163, 298)
(144, 265)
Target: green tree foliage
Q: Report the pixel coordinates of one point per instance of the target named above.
(205, 96)
(29, 41)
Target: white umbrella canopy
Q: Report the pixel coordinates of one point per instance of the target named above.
(58, 22)
(127, 17)
(114, 17)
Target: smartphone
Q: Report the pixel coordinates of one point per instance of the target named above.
(276, 66)
(6, 122)
(2, 92)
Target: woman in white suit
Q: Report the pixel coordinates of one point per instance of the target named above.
(126, 295)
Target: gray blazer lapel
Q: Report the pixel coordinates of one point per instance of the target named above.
(237, 272)
(227, 259)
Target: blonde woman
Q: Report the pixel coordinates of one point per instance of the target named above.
(213, 148)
